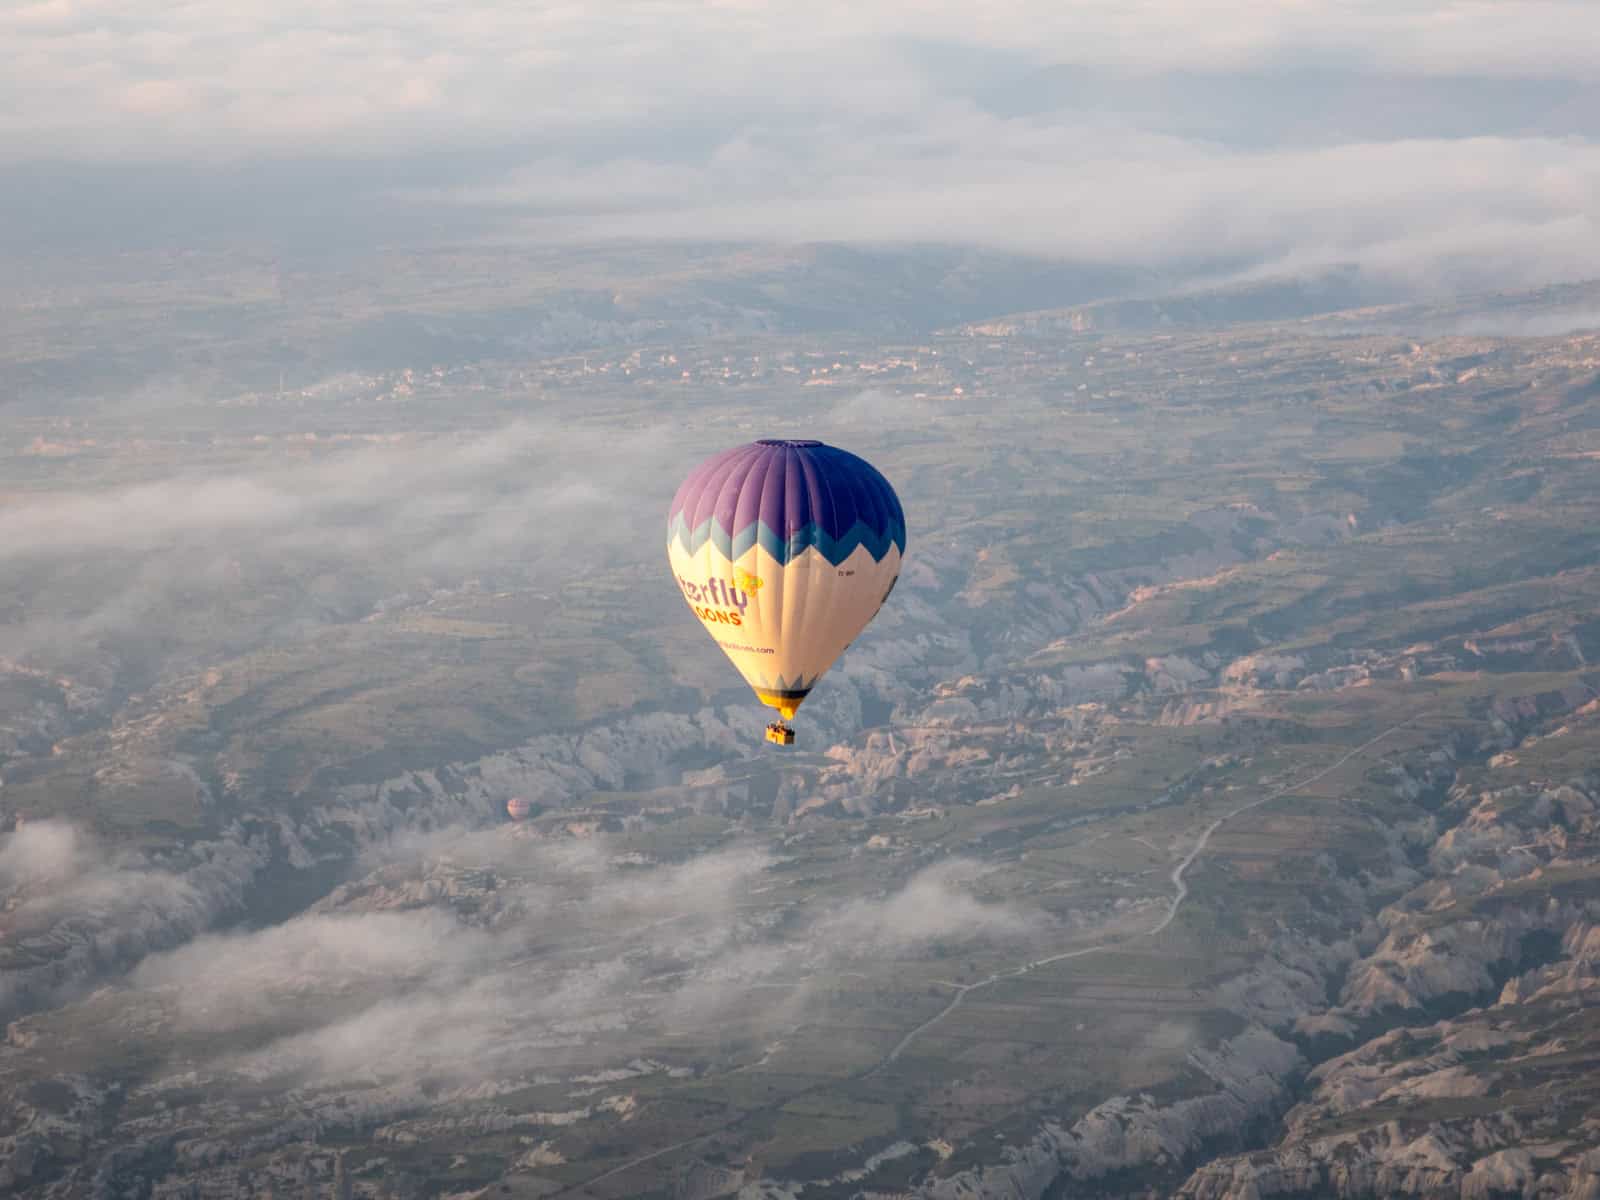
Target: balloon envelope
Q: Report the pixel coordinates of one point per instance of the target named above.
(785, 549)
(517, 808)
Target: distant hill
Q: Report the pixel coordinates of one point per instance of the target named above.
(1279, 299)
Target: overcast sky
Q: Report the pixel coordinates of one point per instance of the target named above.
(1415, 136)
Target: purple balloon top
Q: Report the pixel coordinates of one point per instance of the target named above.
(787, 495)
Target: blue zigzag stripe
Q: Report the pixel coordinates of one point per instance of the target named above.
(835, 550)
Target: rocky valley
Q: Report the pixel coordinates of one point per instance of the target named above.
(1212, 812)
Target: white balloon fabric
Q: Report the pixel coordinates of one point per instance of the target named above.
(785, 549)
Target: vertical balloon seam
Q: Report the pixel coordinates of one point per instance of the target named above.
(789, 620)
(759, 494)
(833, 595)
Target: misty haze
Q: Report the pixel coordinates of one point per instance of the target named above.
(1205, 802)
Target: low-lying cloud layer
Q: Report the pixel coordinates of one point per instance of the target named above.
(213, 562)
(563, 960)
(526, 484)
(92, 76)
(49, 867)
(1438, 140)
(94, 909)
(243, 557)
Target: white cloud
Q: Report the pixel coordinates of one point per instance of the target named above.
(533, 474)
(97, 908)
(50, 869)
(195, 553)
(590, 953)
(934, 905)
(144, 79)
(1191, 132)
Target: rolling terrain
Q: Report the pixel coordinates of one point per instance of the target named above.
(1211, 812)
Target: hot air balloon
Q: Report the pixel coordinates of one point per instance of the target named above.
(517, 808)
(785, 549)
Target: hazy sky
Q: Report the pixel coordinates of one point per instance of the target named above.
(1416, 136)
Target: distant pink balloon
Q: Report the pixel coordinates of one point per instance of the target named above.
(517, 808)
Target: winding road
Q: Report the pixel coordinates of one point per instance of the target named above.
(1179, 895)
